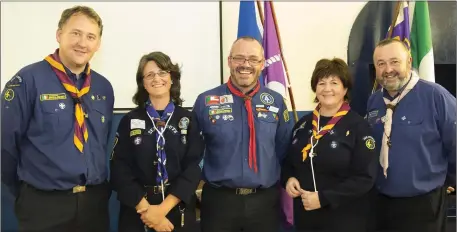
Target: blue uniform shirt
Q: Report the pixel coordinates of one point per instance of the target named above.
(422, 154)
(38, 128)
(223, 120)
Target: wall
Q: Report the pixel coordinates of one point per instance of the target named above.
(130, 30)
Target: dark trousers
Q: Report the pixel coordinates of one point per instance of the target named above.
(58, 211)
(351, 215)
(223, 210)
(424, 213)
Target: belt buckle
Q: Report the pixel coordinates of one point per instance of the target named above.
(157, 189)
(79, 189)
(244, 191)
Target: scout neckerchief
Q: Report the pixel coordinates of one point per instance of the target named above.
(160, 124)
(248, 106)
(81, 135)
(317, 134)
(384, 157)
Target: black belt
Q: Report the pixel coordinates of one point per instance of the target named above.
(155, 189)
(239, 191)
(76, 189)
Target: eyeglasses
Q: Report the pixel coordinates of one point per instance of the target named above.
(241, 60)
(151, 75)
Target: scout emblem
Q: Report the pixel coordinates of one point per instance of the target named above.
(183, 125)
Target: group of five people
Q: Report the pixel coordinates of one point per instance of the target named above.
(388, 171)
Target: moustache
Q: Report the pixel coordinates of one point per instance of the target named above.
(390, 74)
(241, 69)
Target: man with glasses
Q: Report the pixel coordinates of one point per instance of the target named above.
(246, 129)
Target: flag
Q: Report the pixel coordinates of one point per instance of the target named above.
(275, 79)
(273, 73)
(421, 41)
(401, 29)
(248, 24)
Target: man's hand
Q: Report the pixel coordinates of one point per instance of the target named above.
(310, 200)
(293, 187)
(450, 190)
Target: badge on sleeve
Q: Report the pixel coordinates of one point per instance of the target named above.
(9, 95)
(369, 142)
(116, 139)
(286, 115)
(183, 125)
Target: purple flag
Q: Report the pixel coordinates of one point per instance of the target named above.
(275, 79)
(401, 29)
(273, 73)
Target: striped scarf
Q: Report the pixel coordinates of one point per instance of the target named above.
(81, 135)
(160, 124)
(344, 109)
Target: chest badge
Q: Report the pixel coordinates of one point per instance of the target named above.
(103, 119)
(62, 105)
(137, 141)
(333, 144)
(266, 98)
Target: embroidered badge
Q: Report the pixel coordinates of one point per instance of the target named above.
(212, 100)
(220, 111)
(226, 99)
(53, 96)
(9, 95)
(135, 132)
(266, 98)
(286, 115)
(116, 139)
(369, 142)
(137, 124)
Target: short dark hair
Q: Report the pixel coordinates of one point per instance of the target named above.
(385, 42)
(247, 38)
(163, 61)
(335, 67)
(85, 10)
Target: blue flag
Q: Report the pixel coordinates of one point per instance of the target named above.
(247, 24)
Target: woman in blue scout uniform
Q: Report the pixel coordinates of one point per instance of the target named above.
(331, 164)
(155, 162)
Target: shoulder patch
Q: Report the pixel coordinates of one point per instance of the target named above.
(16, 81)
(286, 115)
(369, 142)
(9, 94)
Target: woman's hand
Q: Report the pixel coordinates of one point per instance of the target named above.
(293, 187)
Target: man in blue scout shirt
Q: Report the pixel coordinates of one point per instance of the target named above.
(246, 128)
(414, 121)
(56, 115)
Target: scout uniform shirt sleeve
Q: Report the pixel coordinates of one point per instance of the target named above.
(129, 190)
(283, 133)
(446, 108)
(184, 186)
(17, 108)
(361, 176)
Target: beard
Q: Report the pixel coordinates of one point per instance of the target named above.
(393, 81)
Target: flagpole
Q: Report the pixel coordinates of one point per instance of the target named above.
(291, 95)
(389, 35)
(259, 9)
